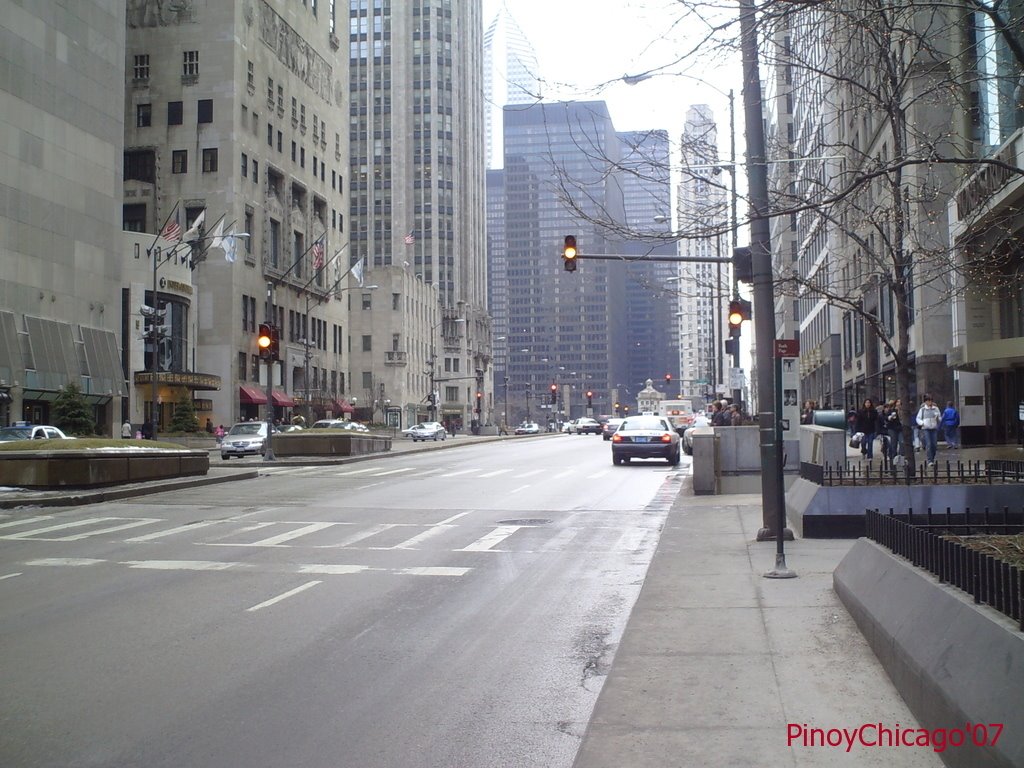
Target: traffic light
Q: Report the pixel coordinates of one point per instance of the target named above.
(265, 341)
(275, 343)
(590, 399)
(569, 253)
(479, 397)
(618, 408)
(732, 347)
(743, 265)
(554, 394)
(668, 381)
(739, 310)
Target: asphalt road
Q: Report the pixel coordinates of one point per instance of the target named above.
(450, 608)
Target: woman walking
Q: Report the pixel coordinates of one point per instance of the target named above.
(928, 419)
(867, 423)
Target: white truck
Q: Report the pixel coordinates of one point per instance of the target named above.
(678, 412)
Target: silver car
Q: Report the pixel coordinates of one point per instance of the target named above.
(32, 432)
(428, 430)
(244, 439)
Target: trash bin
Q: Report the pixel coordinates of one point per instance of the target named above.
(834, 419)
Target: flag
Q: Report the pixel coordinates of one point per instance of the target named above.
(318, 254)
(172, 229)
(228, 243)
(357, 272)
(217, 236)
(410, 239)
(193, 231)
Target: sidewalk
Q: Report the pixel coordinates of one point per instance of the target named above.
(716, 661)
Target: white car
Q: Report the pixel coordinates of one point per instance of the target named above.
(428, 430)
(528, 428)
(32, 432)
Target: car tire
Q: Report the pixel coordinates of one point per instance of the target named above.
(674, 459)
(224, 456)
(616, 460)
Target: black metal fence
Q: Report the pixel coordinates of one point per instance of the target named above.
(923, 539)
(987, 472)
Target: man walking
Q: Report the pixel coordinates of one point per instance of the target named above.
(951, 425)
(928, 419)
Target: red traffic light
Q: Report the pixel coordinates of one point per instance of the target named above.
(265, 341)
(589, 393)
(739, 310)
(569, 253)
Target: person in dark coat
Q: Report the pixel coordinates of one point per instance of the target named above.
(867, 423)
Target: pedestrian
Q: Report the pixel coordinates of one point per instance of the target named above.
(951, 425)
(928, 418)
(218, 433)
(807, 415)
(735, 416)
(126, 430)
(719, 418)
(867, 423)
(894, 427)
(209, 426)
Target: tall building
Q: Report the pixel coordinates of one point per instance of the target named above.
(416, 180)
(564, 329)
(652, 346)
(238, 111)
(703, 289)
(61, 115)
(511, 76)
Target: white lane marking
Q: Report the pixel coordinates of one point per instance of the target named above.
(563, 474)
(419, 538)
(453, 518)
(495, 537)
(284, 596)
(426, 472)
(180, 565)
(432, 571)
(111, 529)
(372, 531)
(51, 528)
(520, 488)
(26, 521)
(596, 475)
(495, 473)
(355, 471)
(560, 540)
(273, 541)
(9, 576)
(531, 473)
(333, 570)
(371, 485)
(393, 471)
(172, 531)
(460, 472)
(631, 540)
(64, 561)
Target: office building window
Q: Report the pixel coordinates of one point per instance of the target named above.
(190, 64)
(250, 225)
(275, 242)
(367, 343)
(141, 69)
(140, 165)
(143, 115)
(242, 359)
(133, 217)
(179, 161)
(205, 111)
(175, 113)
(255, 172)
(245, 165)
(250, 79)
(210, 160)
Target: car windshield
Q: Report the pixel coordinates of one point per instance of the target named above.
(250, 428)
(15, 433)
(643, 422)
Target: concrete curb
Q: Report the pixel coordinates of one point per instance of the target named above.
(953, 662)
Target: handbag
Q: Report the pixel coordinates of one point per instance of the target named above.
(855, 440)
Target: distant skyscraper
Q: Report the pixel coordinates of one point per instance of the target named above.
(563, 328)
(652, 347)
(510, 77)
(703, 289)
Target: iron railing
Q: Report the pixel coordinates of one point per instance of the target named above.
(923, 538)
(987, 472)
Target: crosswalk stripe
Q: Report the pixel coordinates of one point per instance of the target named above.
(171, 531)
(460, 472)
(393, 471)
(284, 596)
(419, 538)
(60, 527)
(273, 541)
(495, 473)
(355, 471)
(26, 521)
(492, 539)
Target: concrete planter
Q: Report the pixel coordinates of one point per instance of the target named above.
(317, 442)
(94, 468)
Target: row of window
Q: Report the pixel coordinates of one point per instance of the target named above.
(175, 113)
(179, 160)
(322, 380)
(189, 65)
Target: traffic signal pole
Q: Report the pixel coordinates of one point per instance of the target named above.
(268, 453)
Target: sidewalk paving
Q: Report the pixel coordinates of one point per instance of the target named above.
(717, 662)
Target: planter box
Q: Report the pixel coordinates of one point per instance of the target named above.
(96, 468)
(318, 442)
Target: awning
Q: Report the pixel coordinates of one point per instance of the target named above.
(343, 406)
(281, 398)
(251, 395)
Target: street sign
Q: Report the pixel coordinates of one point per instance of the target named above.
(736, 378)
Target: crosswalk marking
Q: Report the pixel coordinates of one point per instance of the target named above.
(460, 472)
(355, 471)
(171, 531)
(419, 538)
(9, 576)
(284, 596)
(64, 561)
(531, 473)
(274, 541)
(182, 565)
(495, 473)
(111, 529)
(393, 471)
(51, 528)
(26, 521)
(492, 539)
(371, 531)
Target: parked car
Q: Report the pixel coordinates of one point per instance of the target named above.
(243, 439)
(528, 428)
(567, 427)
(586, 426)
(609, 427)
(699, 420)
(32, 432)
(645, 437)
(428, 430)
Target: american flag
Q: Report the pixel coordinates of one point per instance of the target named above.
(172, 229)
(410, 239)
(318, 254)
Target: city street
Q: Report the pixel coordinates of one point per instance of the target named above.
(456, 607)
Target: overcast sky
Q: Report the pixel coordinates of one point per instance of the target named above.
(585, 47)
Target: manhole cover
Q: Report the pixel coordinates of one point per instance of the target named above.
(525, 521)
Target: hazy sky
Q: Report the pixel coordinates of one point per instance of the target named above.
(585, 47)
